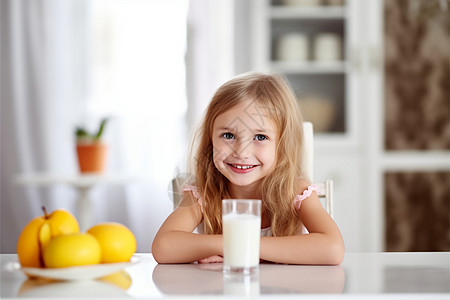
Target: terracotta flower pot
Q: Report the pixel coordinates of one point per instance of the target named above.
(92, 157)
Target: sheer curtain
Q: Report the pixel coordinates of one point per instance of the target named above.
(41, 92)
(211, 55)
(138, 79)
(62, 66)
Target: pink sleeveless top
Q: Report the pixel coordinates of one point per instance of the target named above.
(264, 231)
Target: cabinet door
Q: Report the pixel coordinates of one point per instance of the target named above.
(347, 195)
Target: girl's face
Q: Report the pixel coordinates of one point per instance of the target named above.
(244, 144)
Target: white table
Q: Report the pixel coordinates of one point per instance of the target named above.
(361, 275)
(83, 183)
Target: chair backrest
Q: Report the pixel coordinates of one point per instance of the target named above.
(325, 187)
(308, 150)
(326, 194)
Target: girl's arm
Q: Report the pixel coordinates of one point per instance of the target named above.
(175, 241)
(323, 244)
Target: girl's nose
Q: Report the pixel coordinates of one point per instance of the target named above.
(242, 148)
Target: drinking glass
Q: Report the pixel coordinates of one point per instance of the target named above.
(241, 223)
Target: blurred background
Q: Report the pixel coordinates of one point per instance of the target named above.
(372, 76)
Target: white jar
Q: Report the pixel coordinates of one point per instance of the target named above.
(292, 47)
(327, 47)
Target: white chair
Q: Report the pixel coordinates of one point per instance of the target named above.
(175, 187)
(325, 187)
(326, 195)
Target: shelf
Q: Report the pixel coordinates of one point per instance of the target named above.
(321, 12)
(333, 144)
(311, 67)
(416, 160)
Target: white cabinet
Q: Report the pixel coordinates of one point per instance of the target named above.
(321, 51)
(352, 150)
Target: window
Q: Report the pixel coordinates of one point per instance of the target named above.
(138, 78)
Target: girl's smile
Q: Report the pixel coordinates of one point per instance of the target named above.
(242, 169)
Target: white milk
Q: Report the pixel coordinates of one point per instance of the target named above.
(241, 238)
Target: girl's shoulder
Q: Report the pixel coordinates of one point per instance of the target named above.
(303, 185)
(191, 188)
(304, 190)
(194, 192)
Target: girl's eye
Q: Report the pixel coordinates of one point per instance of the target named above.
(228, 135)
(260, 137)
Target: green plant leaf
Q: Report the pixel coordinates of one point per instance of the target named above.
(85, 137)
(81, 133)
(100, 130)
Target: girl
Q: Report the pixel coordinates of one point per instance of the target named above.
(249, 147)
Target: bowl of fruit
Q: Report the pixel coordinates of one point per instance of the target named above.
(52, 246)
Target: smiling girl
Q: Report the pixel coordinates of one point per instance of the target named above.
(249, 147)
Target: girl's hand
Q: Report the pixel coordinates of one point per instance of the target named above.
(211, 260)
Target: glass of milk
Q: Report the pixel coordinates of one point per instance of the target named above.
(241, 223)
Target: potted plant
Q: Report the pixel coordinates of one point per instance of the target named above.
(91, 151)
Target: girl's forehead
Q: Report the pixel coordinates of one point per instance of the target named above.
(250, 115)
(252, 108)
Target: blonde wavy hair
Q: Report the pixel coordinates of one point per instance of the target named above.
(278, 189)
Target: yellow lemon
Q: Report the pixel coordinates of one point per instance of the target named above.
(116, 240)
(38, 233)
(69, 250)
